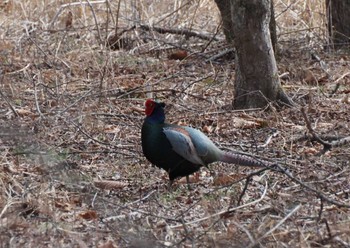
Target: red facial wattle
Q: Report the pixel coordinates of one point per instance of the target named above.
(149, 104)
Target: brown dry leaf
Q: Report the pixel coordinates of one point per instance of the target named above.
(108, 244)
(111, 129)
(192, 178)
(64, 206)
(110, 185)
(181, 198)
(88, 215)
(242, 123)
(69, 20)
(309, 77)
(6, 6)
(223, 180)
(25, 112)
(310, 151)
(189, 201)
(49, 76)
(137, 109)
(182, 123)
(161, 224)
(179, 55)
(259, 121)
(323, 80)
(208, 129)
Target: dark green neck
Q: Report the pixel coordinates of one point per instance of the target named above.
(157, 116)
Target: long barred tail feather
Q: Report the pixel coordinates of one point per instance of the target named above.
(239, 159)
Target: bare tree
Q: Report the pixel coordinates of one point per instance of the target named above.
(338, 15)
(257, 80)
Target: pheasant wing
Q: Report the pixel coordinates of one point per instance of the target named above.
(182, 144)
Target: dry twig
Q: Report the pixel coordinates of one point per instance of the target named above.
(224, 212)
(326, 145)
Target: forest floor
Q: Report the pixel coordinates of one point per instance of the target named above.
(72, 169)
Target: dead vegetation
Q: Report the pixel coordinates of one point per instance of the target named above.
(72, 172)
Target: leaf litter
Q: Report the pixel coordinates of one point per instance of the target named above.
(73, 172)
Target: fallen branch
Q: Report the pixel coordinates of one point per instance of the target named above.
(315, 137)
(185, 32)
(326, 146)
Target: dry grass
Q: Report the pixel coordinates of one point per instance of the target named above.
(72, 172)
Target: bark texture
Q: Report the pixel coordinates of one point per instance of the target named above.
(225, 11)
(226, 16)
(338, 15)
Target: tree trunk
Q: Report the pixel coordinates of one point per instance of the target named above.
(248, 23)
(225, 11)
(257, 80)
(338, 15)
